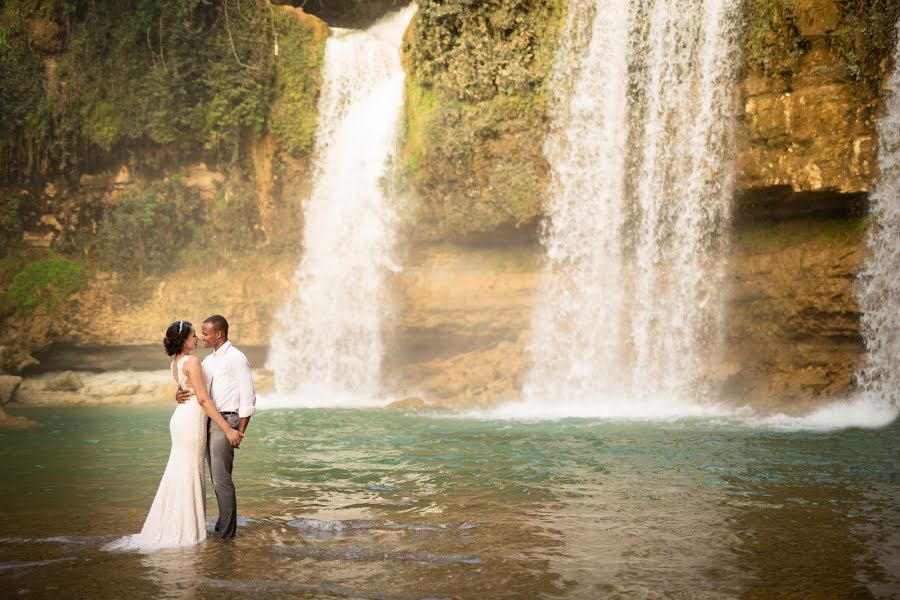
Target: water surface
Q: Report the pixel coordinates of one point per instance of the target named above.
(381, 504)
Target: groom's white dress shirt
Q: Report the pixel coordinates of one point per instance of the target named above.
(230, 384)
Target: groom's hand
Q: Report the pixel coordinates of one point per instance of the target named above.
(235, 440)
(182, 395)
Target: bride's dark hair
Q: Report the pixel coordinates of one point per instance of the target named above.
(176, 335)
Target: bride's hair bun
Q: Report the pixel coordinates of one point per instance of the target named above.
(176, 335)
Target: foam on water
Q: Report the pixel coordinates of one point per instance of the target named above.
(312, 395)
(865, 412)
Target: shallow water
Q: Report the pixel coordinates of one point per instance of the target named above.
(381, 504)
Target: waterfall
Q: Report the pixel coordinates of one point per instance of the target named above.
(639, 206)
(327, 347)
(879, 377)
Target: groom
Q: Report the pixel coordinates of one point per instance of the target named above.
(227, 373)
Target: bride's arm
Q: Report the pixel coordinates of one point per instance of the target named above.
(195, 377)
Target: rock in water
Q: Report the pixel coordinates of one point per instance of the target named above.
(411, 402)
(64, 382)
(11, 422)
(8, 386)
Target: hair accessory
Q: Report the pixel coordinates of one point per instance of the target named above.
(179, 326)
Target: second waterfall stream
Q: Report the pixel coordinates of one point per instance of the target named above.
(638, 210)
(327, 347)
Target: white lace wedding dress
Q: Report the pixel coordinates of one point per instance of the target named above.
(178, 514)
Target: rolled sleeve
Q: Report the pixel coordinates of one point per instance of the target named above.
(245, 388)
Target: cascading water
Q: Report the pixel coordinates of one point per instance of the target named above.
(879, 377)
(639, 206)
(327, 348)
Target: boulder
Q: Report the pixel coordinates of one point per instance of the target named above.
(15, 361)
(64, 382)
(411, 402)
(165, 394)
(8, 386)
(129, 389)
(14, 422)
(205, 181)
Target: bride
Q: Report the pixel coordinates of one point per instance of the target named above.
(178, 514)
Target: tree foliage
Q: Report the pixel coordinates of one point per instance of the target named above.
(83, 79)
(46, 281)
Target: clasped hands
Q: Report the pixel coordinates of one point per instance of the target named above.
(234, 436)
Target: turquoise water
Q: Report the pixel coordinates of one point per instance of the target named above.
(382, 504)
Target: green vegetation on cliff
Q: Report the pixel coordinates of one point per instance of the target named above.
(476, 112)
(46, 281)
(299, 77)
(86, 83)
(768, 238)
(779, 32)
(147, 228)
(88, 87)
(165, 224)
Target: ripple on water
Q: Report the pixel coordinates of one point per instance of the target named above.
(24, 565)
(358, 554)
(330, 526)
(259, 587)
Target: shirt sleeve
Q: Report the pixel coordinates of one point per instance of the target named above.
(245, 387)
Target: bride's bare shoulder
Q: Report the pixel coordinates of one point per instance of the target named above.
(191, 362)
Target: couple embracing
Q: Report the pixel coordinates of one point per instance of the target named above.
(215, 402)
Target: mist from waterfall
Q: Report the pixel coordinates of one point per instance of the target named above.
(879, 377)
(629, 311)
(327, 347)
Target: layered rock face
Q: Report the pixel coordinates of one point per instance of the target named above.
(792, 329)
(791, 337)
(807, 155)
(462, 323)
(806, 122)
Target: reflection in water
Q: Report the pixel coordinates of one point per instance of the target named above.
(176, 573)
(818, 523)
(783, 563)
(378, 504)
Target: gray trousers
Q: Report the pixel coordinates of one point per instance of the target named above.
(220, 456)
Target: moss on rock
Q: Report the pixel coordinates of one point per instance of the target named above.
(779, 32)
(47, 281)
(301, 44)
(476, 112)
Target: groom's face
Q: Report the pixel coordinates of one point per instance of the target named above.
(208, 335)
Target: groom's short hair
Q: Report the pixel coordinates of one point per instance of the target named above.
(219, 324)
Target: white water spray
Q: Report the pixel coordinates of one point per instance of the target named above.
(327, 348)
(639, 207)
(879, 378)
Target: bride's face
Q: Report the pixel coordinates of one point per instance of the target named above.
(191, 342)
